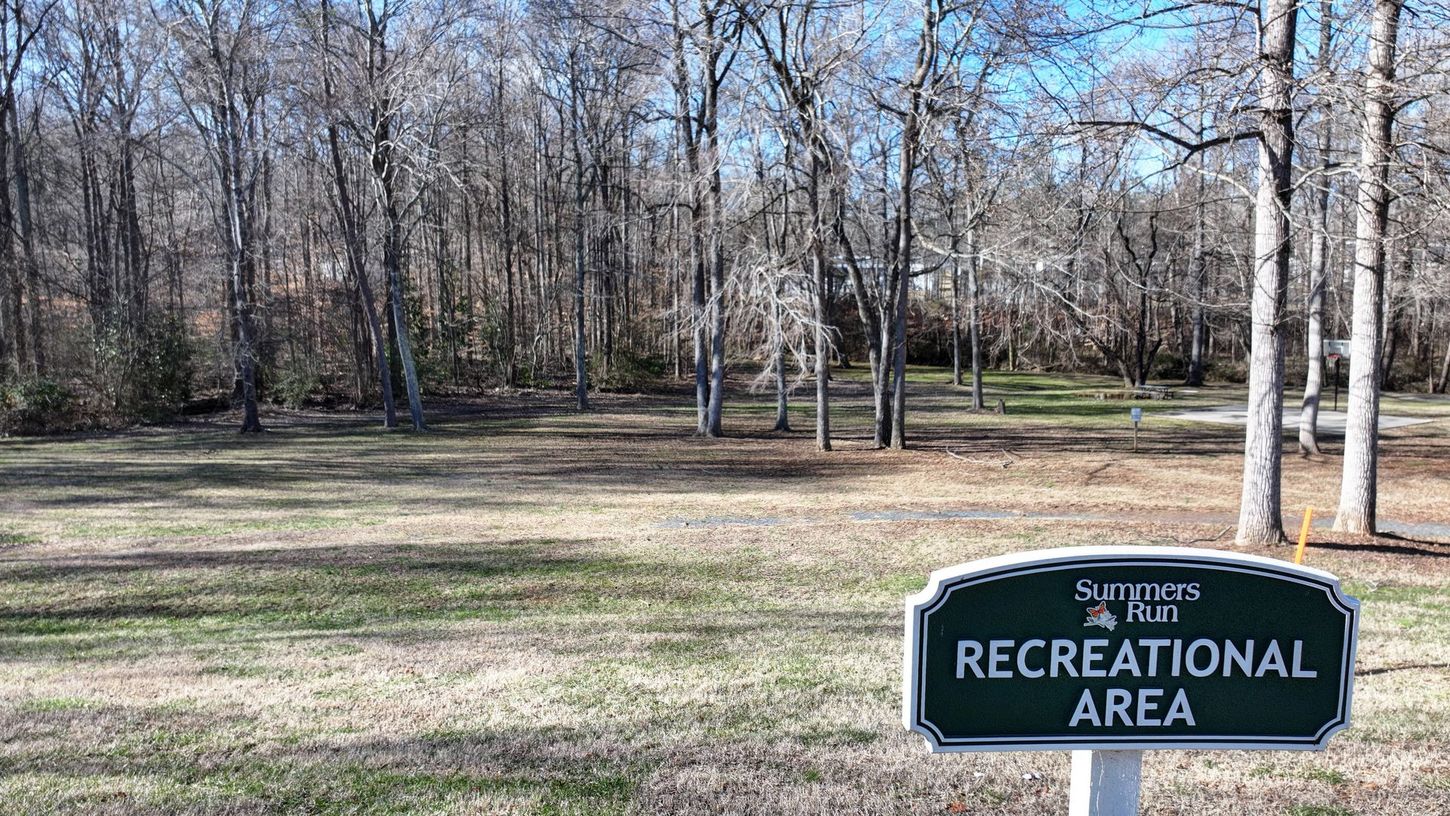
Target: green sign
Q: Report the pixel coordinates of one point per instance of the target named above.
(1124, 648)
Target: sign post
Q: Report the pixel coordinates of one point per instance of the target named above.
(1336, 350)
(1110, 651)
(1137, 415)
(1105, 783)
(1336, 381)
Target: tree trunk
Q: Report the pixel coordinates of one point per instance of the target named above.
(1318, 254)
(581, 360)
(823, 351)
(1358, 489)
(385, 172)
(905, 228)
(870, 319)
(510, 334)
(1260, 521)
(1140, 335)
(239, 247)
(698, 328)
(1444, 371)
(956, 315)
(1198, 349)
(898, 365)
(251, 422)
(782, 392)
(822, 345)
(716, 403)
(27, 243)
(392, 262)
(353, 249)
(782, 389)
(14, 302)
(974, 320)
(226, 134)
(883, 379)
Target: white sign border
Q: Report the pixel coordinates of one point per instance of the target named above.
(934, 594)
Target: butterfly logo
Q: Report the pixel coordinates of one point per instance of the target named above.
(1100, 616)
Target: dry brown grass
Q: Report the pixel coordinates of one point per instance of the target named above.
(533, 611)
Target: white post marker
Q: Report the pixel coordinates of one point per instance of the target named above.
(1105, 783)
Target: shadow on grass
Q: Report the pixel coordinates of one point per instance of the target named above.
(155, 601)
(1403, 667)
(175, 759)
(244, 759)
(1382, 545)
(329, 465)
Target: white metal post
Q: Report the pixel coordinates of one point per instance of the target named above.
(1105, 783)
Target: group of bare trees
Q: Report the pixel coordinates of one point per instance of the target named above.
(292, 199)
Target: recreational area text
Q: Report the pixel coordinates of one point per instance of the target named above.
(1145, 657)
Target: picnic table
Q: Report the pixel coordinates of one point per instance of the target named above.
(1155, 392)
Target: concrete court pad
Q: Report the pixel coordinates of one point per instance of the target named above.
(1330, 422)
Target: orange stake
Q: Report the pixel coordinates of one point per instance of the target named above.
(1303, 535)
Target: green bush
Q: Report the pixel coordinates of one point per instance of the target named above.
(36, 405)
(145, 374)
(1168, 365)
(1229, 372)
(296, 384)
(629, 372)
(160, 381)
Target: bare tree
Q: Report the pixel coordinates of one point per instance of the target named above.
(353, 152)
(704, 51)
(1319, 251)
(789, 40)
(1259, 503)
(19, 26)
(222, 80)
(350, 217)
(1358, 489)
(385, 81)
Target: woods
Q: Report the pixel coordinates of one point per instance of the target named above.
(357, 203)
(551, 406)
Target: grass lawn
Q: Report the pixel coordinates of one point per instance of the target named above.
(536, 611)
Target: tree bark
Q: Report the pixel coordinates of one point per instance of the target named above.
(385, 173)
(822, 345)
(1358, 489)
(715, 243)
(1444, 379)
(581, 357)
(1260, 521)
(14, 302)
(782, 390)
(1318, 254)
(392, 261)
(353, 227)
(923, 77)
(353, 249)
(581, 360)
(229, 142)
(27, 243)
(510, 334)
(1198, 347)
(698, 130)
(974, 319)
(870, 321)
